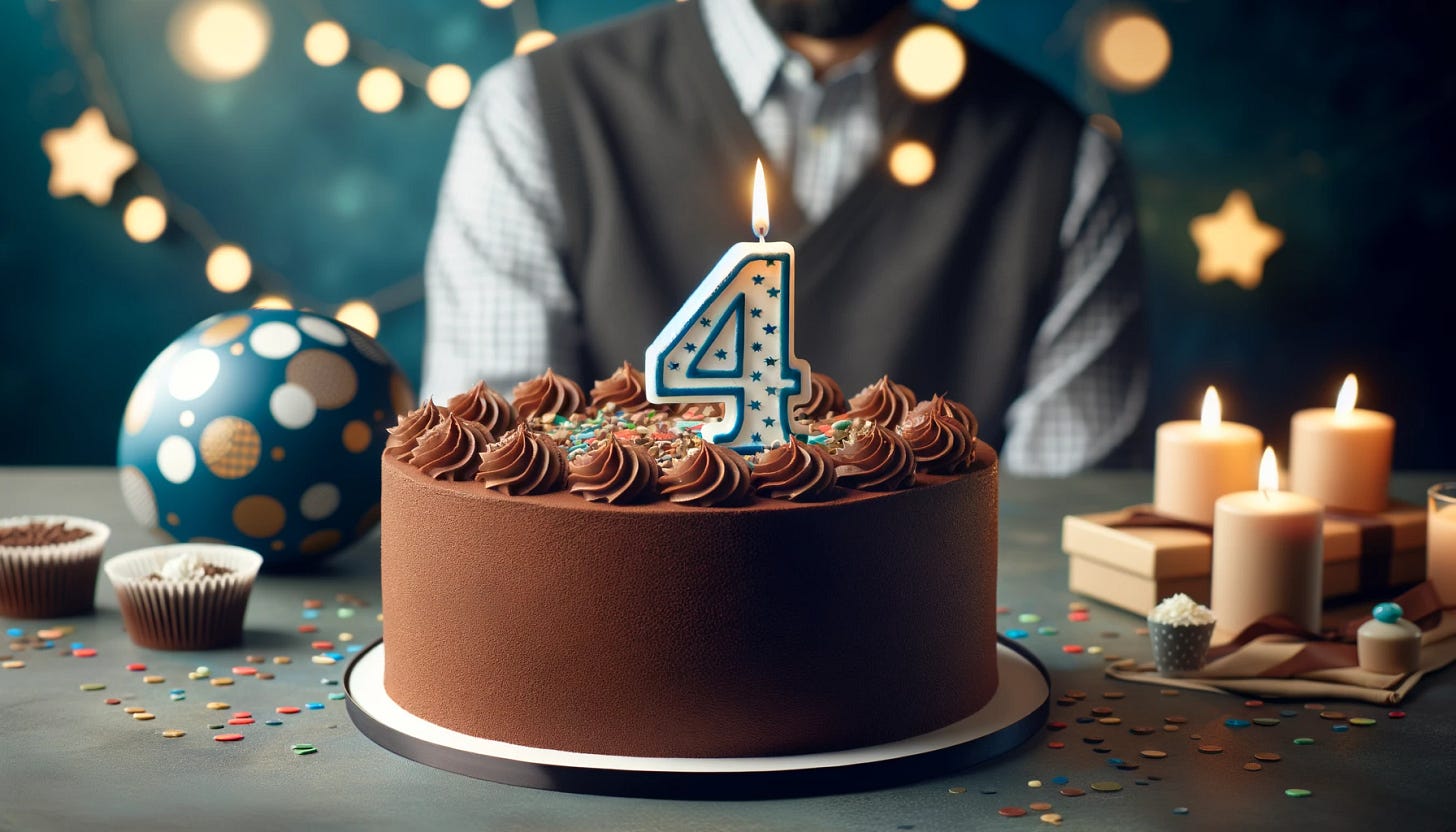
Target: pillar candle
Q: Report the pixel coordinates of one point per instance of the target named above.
(1268, 554)
(1441, 540)
(1341, 455)
(1199, 461)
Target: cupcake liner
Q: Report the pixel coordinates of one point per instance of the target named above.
(195, 614)
(1179, 649)
(54, 580)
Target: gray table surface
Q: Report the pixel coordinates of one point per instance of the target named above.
(67, 761)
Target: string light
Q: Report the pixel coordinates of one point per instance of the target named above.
(326, 43)
(380, 89)
(448, 86)
(272, 302)
(929, 62)
(144, 219)
(1128, 51)
(229, 268)
(533, 40)
(219, 40)
(85, 158)
(912, 163)
(360, 315)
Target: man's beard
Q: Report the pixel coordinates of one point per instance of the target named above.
(825, 18)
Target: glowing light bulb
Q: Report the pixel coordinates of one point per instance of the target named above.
(145, 219)
(360, 315)
(380, 89)
(1268, 472)
(1345, 402)
(912, 163)
(929, 62)
(272, 302)
(448, 86)
(533, 40)
(1129, 50)
(219, 40)
(229, 268)
(1212, 410)
(326, 43)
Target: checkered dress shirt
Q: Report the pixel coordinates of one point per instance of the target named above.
(498, 306)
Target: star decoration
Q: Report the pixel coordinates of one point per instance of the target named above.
(755, 376)
(1233, 243)
(755, 405)
(757, 438)
(773, 293)
(86, 159)
(706, 322)
(690, 347)
(772, 391)
(758, 280)
(755, 312)
(673, 365)
(721, 354)
(769, 329)
(770, 361)
(757, 346)
(768, 421)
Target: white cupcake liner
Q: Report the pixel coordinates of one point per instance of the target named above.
(1179, 649)
(195, 614)
(54, 580)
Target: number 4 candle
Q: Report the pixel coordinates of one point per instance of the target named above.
(733, 342)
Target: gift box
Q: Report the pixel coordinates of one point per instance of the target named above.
(1133, 558)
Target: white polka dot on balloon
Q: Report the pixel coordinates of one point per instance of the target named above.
(292, 406)
(275, 339)
(321, 330)
(176, 459)
(319, 501)
(193, 375)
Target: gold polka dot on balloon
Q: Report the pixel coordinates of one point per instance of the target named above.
(224, 331)
(326, 375)
(277, 454)
(173, 519)
(139, 406)
(259, 516)
(356, 436)
(320, 541)
(401, 395)
(230, 447)
(367, 521)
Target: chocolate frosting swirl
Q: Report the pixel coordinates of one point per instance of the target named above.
(451, 449)
(484, 405)
(877, 460)
(825, 399)
(797, 471)
(547, 393)
(940, 442)
(885, 403)
(626, 388)
(614, 472)
(402, 436)
(710, 475)
(523, 462)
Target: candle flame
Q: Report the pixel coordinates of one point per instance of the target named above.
(1345, 404)
(760, 202)
(1212, 409)
(1268, 472)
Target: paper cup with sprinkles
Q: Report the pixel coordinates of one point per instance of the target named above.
(186, 596)
(1181, 630)
(48, 565)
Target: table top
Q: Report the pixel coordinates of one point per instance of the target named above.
(69, 761)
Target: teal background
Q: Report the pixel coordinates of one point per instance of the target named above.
(1336, 116)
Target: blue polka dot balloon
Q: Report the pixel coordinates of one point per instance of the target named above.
(262, 428)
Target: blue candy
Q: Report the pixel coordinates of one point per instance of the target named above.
(1389, 612)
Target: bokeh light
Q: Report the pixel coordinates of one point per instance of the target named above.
(219, 40)
(1106, 125)
(360, 315)
(272, 302)
(326, 43)
(496, 4)
(144, 219)
(229, 268)
(533, 40)
(448, 86)
(929, 62)
(380, 89)
(961, 5)
(912, 163)
(1128, 50)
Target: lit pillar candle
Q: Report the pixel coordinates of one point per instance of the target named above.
(1198, 462)
(1341, 455)
(733, 342)
(1268, 554)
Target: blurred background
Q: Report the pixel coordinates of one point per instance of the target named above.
(289, 152)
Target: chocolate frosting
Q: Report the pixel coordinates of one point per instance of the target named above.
(614, 472)
(961, 414)
(877, 459)
(626, 388)
(547, 393)
(451, 449)
(942, 444)
(484, 405)
(523, 462)
(37, 533)
(825, 398)
(709, 475)
(796, 471)
(402, 436)
(885, 403)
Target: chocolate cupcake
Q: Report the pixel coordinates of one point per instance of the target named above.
(48, 565)
(186, 596)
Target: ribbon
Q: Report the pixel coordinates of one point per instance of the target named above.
(1377, 549)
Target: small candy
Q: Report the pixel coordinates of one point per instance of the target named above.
(15, 632)
(336, 696)
(302, 748)
(227, 737)
(136, 667)
(1106, 786)
(1362, 721)
(1236, 723)
(321, 659)
(314, 706)
(345, 612)
(1072, 648)
(93, 686)
(240, 721)
(245, 670)
(218, 706)
(154, 680)
(221, 681)
(1388, 612)
(173, 733)
(1028, 618)
(12, 664)
(1011, 811)
(273, 722)
(1304, 741)
(84, 653)
(1016, 634)
(1298, 792)
(287, 709)
(143, 716)
(309, 615)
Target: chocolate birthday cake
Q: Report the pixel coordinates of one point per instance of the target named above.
(581, 571)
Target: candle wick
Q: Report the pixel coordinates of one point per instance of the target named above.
(760, 237)
(1267, 498)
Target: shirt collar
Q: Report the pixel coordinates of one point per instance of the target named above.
(750, 53)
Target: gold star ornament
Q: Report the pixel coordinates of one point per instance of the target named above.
(86, 159)
(1232, 243)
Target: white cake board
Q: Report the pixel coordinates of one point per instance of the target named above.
(1016, 712)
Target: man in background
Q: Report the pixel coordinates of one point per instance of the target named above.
(592, 184)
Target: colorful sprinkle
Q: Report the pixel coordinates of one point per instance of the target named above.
(1253, 767)
(1028, 618)
(111, 701)
(143, 716)
(1297, 792)
(323, 659)
(1268, 756)
(240, 721)
(154, 680)
(1046, 631)
(1016, 634)
(287, 709)
(1362, 721)
(282, 660)
(1237, 723)
(1304, 740)
(136, 667)
(133, 709)
(274, 722)
(227, 737)
(1266, 721)
(314, 706)
(1072, 648)
(93, 686)
(307, 628)
(1106, 786)
(1011, 811)
(173, 733)
(336, 696)
(245, 670)
(221, 681)
(345, 612)
(15, 632)
(1340, 728)
(1396, 714)
(84, 653)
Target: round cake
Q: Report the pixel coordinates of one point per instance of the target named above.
(586, 574)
